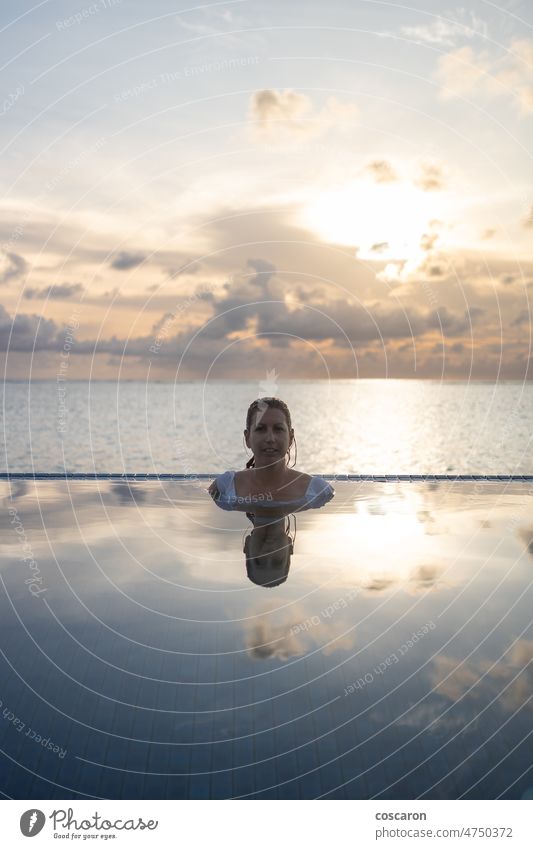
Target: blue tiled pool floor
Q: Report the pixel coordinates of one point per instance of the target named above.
(138, 661)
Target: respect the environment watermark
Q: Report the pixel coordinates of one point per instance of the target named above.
(188, 71)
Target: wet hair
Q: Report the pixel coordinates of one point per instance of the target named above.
(260, 405)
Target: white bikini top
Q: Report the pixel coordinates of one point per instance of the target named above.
(318, 493)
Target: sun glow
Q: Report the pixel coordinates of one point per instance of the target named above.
(386, 540)
(383, 221)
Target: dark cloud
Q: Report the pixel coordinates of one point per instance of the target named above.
(270, 106)
(59, 292)
(435, 269)
(475, 313)
(286, 309)
(269, 317)
(264, 271)
(379, 247)
(11, 266)
(434, 265)
(340, 320)
(125, 260)
(523, 317)
(127, 492)
(27, 332)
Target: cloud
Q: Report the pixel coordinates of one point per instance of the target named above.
(381, 170)
(295, 633)
(126, 494)
(191, 266)
(124, 260)
(288, 301)
(252, 304)
(269, 106)
(465, 72)
(510, 680)
(461, 70)
(262, 267)
(379, 247)
(527, 220)
(11, 266)
(266, 313)
(429, 176)
(447, 32)
(279, 115)
(59, 292)
(430, 265)
(426, 577)
(27, 332)
(523, 317)
(525, 98)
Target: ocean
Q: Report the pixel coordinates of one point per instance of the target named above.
(341, 426)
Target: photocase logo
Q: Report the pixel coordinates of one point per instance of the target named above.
(32, 822)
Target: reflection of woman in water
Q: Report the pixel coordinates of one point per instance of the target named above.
(268, 482)
(268, 550)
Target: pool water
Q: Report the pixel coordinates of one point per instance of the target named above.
(138, 661)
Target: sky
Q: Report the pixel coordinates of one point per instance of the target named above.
(245, 189)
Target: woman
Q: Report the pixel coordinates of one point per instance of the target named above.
(268, 482)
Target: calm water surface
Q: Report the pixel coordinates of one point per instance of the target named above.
(346, 426)
(138, 661)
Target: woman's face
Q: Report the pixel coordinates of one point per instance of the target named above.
(269, 437)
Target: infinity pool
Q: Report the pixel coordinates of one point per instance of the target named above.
(139, 661)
